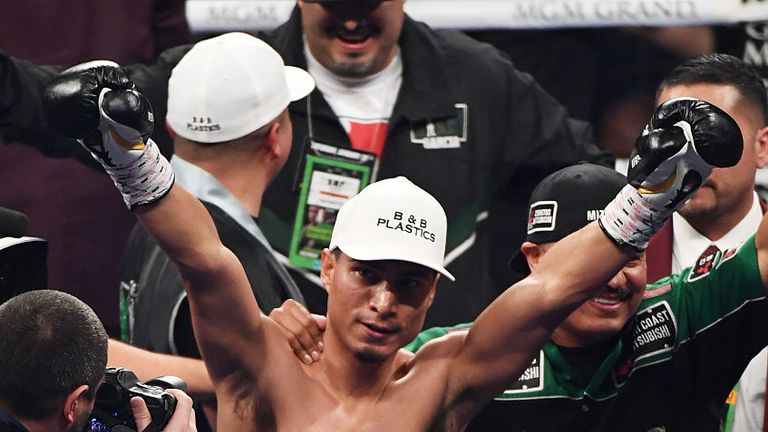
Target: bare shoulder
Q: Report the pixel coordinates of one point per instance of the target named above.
(423, 380)
(437, 350)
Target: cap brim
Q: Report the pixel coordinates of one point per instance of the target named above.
(518, 263)
(362, 256)
(300, 82)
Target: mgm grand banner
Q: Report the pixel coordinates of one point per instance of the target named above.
(249, 15)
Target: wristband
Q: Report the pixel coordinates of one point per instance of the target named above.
(630, 219)
(144, 179)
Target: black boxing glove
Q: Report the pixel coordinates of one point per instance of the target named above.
(97, 104)
(676, 152)
(716, 136)
(71, 99)
(125, 116)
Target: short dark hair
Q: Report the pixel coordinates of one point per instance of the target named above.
(50, 344)
(714, 68)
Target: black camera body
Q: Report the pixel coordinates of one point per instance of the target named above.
(112, 410)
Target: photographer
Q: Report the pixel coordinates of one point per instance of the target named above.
(53, 353)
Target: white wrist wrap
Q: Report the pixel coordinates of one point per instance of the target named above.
(631, 219)
(145, 178)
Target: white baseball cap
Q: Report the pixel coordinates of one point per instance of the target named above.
(229, 86)
(393, 219)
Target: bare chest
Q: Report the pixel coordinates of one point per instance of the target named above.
(404, 406)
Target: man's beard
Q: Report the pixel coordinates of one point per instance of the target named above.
(698, 211)
(370, 357)
(706, 207)
(352, 68)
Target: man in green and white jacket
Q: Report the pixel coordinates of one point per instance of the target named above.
(662, 358)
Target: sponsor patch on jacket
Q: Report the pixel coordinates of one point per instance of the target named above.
(445, 133)
(542, 216)
(705, 263)
(532, 378)
(729, 253)
(655, 330)
(655, 292)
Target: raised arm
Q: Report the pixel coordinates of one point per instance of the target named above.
(225, 315)
(97, 104)
(671, 159)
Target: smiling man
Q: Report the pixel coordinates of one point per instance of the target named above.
(353, 39)
(571, 208)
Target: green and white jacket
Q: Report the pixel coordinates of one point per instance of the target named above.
(671, 369)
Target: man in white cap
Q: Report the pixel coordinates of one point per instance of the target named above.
(227, 106)
(385, 257)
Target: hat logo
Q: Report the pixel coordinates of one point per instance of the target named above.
(410, 225)
(203, 124)
(593, 215)
(542, 216)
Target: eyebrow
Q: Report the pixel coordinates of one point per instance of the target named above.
(421, 271)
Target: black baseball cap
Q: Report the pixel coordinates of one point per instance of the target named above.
(566, 201)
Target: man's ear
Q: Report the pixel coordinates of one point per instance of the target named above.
(433, 291)
(327, 266)
(533, 254)
(761, 147)
(73, 403)
(272, 141)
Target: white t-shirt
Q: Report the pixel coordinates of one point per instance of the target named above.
(363, 105)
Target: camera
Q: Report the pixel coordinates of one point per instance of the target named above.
(112, 410)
